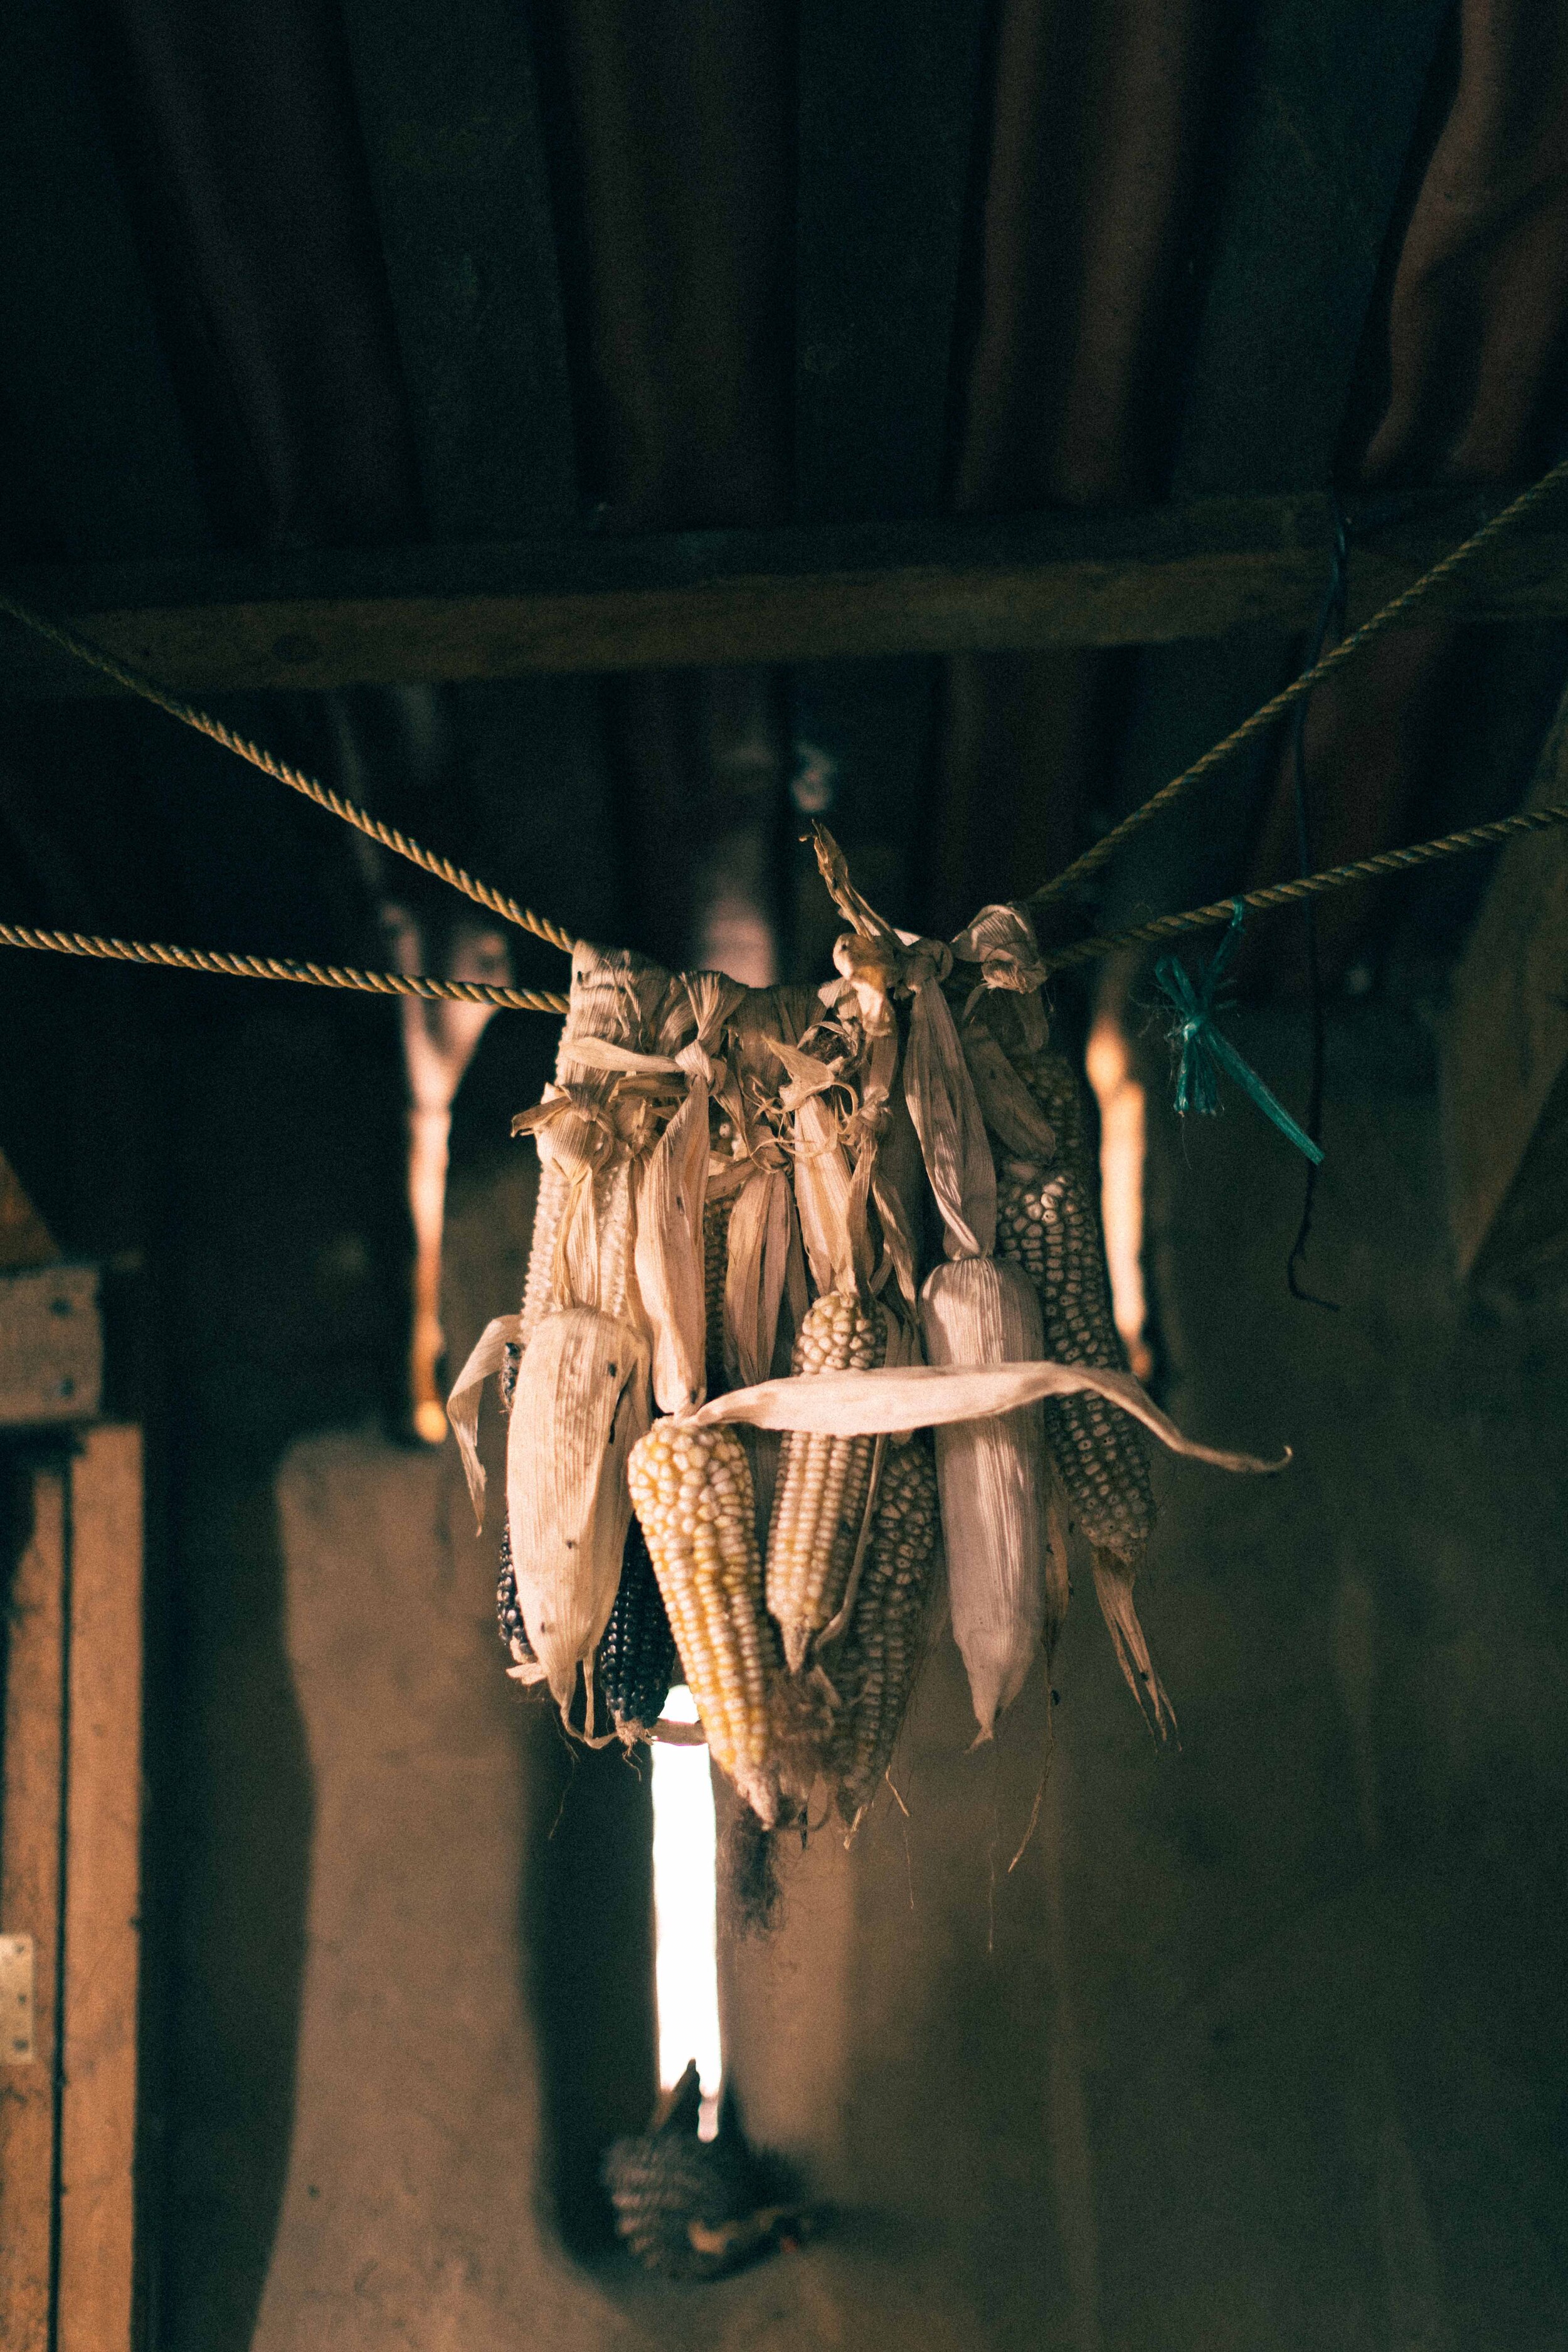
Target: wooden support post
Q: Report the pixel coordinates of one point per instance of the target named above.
(101, 1894)
(33, 1792)
(69, 1880)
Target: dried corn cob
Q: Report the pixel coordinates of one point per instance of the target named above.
(992, 1479)
(874, 1668)
(1047, 1224)
(637, 1654)
(509, 1611)
(693, 1494)
(716, 1218)
(822, 1484)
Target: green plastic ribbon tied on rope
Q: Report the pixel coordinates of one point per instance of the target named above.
(1204, 1052)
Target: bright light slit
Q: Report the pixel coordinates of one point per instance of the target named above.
(1122, 1145)
(686, 1968)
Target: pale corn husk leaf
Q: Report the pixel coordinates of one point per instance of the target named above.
(925, 1396)
(898, 1189)
(991, 1476)
(672, 1191)
(587, 1123)
(488, 1355)
(941, 1099)
(761, 1232)
(1010, 1110)
(580, 1406)
(1001, 941)
(824, 1179)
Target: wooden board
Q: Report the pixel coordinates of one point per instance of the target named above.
(51, 1346)
(93, 427)
(886, 110)
(34, 1772)
(1167, 575)
(450, 118)
(888, 105)
(1505, 1053)
(102, 1938)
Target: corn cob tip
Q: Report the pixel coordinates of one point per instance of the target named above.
(1113, 1587)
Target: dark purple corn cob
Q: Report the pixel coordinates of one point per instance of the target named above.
(509, 1616)
(637, 1654)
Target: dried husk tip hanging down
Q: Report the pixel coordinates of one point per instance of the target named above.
(737, 1180)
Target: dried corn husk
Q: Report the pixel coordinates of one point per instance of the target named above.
(672, 1193)
(929, 1396)
(992, 1477)
(580, 1405)
(592, 1123)
(765, 1291)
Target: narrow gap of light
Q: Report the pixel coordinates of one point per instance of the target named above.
(1122, 1145)
(685, 1962)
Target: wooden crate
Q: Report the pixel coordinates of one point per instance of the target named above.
(71, 1779)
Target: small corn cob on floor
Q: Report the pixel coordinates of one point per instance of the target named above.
(822, 1482)
(692, 1492)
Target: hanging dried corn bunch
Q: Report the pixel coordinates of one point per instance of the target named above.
(1049, 1226)
(711, 1156)
(990, 1473)
(580, 1398)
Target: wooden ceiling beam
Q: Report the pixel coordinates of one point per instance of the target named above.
(324, 618)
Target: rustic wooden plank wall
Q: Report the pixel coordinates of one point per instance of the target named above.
(102, 1897)
(33, 1781)
(71, 1789)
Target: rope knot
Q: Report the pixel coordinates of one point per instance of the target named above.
(1202, 1052)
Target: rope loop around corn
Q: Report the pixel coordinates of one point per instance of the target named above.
(429, 861)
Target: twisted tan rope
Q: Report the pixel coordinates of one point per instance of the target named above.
(540, 1000)
(1310, 885)
(428, 860)
(1264, 717)
(255, 967)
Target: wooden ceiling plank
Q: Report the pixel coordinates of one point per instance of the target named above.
(1329, 102)
(449, 114)
(889, 91)
(888, 96)
(325, 619)
(100, 461)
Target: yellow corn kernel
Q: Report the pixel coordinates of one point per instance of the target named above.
(822, 1484)
(692, 1492)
